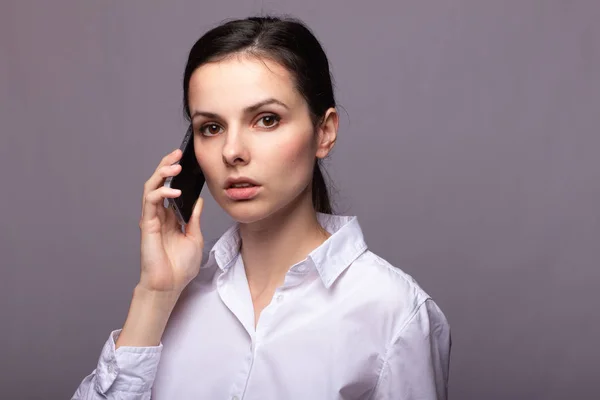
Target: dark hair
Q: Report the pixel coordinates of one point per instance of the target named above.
(286, 41)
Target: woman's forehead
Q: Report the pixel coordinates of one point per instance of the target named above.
(240, 81)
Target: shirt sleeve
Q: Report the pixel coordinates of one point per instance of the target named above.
(417, 364)
(126, 373)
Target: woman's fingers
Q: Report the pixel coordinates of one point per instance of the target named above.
(164, 169)
(154, 200)
(157, 179)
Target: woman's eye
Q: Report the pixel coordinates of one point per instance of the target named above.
(269, 121)
(210, 129)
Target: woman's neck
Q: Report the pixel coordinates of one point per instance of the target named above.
(272, 246)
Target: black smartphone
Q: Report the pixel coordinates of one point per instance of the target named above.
(190, 180)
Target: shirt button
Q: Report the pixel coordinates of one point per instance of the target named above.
(279, 298)
(235, 398)
(301, 268)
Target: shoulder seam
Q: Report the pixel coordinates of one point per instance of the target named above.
(395, 339)
(400, 273)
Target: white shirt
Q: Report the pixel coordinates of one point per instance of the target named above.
(345, 324)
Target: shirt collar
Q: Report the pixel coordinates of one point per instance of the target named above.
(344, 246)
(330, 259)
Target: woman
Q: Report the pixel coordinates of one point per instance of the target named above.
(288, 303)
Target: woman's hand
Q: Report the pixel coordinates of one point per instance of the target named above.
(170, 258)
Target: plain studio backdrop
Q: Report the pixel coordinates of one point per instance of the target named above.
(468, 147)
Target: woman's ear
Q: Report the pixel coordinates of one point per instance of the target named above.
(327, 133)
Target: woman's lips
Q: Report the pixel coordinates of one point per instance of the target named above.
(242, 193)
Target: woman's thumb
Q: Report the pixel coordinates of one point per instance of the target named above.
(193, 226)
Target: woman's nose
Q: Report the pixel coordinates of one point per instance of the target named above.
(235, 151)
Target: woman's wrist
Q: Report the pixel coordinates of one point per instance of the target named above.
(147, 318)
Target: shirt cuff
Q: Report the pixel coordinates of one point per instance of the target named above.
(126, 369)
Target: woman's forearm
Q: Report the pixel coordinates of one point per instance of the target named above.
(147, 318)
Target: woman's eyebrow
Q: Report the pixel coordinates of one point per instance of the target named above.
(253, 108)
(248, 110)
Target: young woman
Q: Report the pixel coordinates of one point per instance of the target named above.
(288, 303)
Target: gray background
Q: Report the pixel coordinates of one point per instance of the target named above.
(468, 148)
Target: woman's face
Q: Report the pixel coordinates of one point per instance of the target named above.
(253, 136)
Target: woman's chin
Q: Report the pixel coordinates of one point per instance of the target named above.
(247, 212)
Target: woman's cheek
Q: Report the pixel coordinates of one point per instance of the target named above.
(210, 176)
(297, 162)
